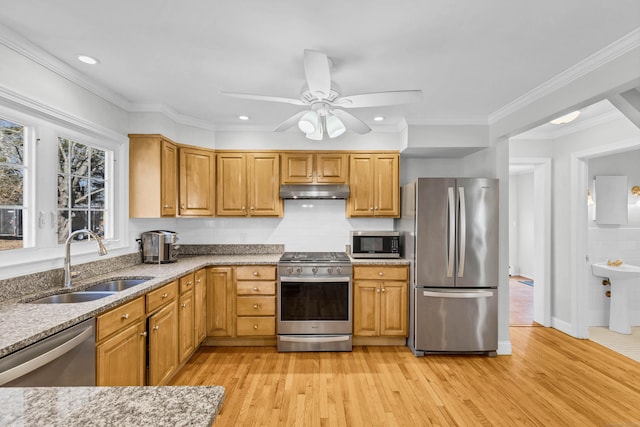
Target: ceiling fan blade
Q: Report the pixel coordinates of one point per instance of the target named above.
(316, 69)
(290, 122)
(264, 98)
(378, 99)
(352, 123)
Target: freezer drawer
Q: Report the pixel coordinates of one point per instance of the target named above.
(460, 320)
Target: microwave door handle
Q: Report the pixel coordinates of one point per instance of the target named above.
(451, 228)
(463, 232)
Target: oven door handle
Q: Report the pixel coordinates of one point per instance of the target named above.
(315, 279)
(314, 339)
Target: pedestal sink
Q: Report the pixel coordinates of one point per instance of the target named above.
(622, 278)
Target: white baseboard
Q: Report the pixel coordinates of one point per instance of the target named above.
(562, 326)
(504, 348)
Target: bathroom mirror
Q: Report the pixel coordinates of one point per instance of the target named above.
(611, 200)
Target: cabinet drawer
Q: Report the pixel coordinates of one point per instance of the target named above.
(256, 272)
(161, 296)
(186, 283)
(256, 306)
(252, 326)
(256, 288)
(381, 272)
(119, 318)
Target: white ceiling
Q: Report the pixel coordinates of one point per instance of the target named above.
(470, 58)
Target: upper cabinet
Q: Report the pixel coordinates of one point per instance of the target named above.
(153, 177)
(322, 168)
(248, 184)
(197, 178)
(374, 181)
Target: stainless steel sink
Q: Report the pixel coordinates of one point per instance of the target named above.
(115, 285)
(71, 297)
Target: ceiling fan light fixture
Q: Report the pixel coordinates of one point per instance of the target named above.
(318, 134)
(309, 122)
(335, 127)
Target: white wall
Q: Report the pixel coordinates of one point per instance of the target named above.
(521, 238)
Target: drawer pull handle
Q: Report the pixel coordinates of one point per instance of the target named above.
(255, 306)
(165, 295)
(155, 328)
(125, 316)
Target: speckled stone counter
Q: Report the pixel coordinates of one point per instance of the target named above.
(22, 324)
(110, 406)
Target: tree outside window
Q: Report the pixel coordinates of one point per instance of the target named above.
(81, 189)
(12, 171)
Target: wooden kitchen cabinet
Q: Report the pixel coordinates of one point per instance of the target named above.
(248, 184)
(221, 302)
(163, 334)
(255, 301)
(153, 176)
(197, 182)
(186, 318)
(380, 301)
(121, 345)
(200, 303)
(374, 182)
(321, 168)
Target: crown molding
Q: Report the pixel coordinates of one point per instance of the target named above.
(605, 55)
(569, 128)
(172, 114)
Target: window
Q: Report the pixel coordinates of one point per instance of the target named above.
(82, 186)
(12, 177)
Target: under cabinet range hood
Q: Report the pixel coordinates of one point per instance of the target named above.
(314, 191)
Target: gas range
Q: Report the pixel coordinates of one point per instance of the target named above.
(314, 263)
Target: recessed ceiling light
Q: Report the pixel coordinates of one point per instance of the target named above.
(378, 118)
(566, 118)
(243, 117)
(88, 59)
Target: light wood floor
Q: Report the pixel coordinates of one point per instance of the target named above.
(550, 380)
(520, 302)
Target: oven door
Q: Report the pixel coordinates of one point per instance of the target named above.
(314, 305)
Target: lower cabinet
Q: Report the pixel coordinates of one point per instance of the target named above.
(186, 319)
(220, 302)
(380, 301)
(121, 345)
(163, 344)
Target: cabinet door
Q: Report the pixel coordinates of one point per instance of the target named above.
(220, 302)
(200, 304)
(186, 338)
(331, 168)
(197, 178)
(264, 184)
(121, 359)
(387, 186)
(231, 185)
(169, 178)
(361, 185)
(366, 308)
(393, 309)
(297, 168)
(163, 344)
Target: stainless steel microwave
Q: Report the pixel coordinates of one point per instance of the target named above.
(375, 244)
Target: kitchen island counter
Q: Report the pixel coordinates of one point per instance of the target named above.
(110, 406)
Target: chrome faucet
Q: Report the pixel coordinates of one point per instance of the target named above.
(67, 253)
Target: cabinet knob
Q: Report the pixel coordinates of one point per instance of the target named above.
(377, 290)
(255, 326)
(143, 334)
(166, 206)
(182, 206)
(252, 208)
(255, 306)
(165, 295)
(155, 328)
(255, 289)
(255, 273)
(310, 175)
(198, 280)
(376, 208)
(125, 316)
(184, 306)
(189, 282)
(380, 273)
(383, 289)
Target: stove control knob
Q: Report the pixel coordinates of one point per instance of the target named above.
(299, 270)
(329, 270)
(314, 270)
(289, 270)
(338, 270)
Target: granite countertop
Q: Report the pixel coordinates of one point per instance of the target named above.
(22, 324)
(110, 406)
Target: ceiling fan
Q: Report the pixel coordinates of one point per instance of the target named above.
(326, 113)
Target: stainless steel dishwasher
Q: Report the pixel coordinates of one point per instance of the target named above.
(67, 358)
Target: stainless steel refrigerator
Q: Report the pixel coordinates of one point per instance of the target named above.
(449, 233)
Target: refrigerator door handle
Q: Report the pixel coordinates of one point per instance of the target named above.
(452, 234)
(469, 294)
(463, 232)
